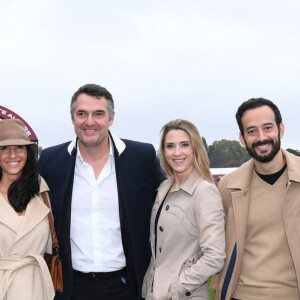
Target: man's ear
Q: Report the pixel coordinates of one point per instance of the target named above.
(112, 118)
(242, 140)
(281, 130)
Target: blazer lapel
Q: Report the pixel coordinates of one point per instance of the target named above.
(240, 204)
(240, 193)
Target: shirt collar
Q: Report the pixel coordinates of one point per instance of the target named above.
(119, 144)
(111, 151)
(191, 183)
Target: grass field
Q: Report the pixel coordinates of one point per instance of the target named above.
(211, 294)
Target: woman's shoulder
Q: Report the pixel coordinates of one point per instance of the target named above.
(43, 185)
(166, 183)
(207, 192)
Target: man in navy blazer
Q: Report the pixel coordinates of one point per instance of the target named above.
(102, 190)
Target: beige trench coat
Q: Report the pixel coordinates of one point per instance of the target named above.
(190, 242)
(23, 242)
(234, 189)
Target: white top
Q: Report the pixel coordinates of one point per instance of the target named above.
(96, 242)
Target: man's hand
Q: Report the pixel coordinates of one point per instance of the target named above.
(169, 295)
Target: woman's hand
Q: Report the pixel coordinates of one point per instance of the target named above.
(169, 295)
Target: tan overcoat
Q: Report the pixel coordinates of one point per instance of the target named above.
(190, 243)
(23, 242)
(235, 192)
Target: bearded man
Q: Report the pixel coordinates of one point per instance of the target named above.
(262, 207)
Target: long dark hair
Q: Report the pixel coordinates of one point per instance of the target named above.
(27, 186)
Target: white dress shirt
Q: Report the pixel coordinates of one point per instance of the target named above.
(96, 241)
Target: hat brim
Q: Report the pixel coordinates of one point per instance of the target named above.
(18, 142)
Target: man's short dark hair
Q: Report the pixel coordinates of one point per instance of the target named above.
(93, 90)
(255, 103)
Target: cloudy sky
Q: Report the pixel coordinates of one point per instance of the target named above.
(161, 60)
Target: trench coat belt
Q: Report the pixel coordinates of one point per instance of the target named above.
(9, 266)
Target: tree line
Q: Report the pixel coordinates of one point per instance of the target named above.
(230, 153)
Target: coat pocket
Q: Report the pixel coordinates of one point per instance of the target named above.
(189, 262)
(198, 291)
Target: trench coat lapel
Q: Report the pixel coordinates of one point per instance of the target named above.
(36, 211)
(8, 216)
(163, 189)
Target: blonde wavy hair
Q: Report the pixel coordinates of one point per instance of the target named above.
(201, 161)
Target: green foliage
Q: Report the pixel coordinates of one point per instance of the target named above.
(226, 154)
(205, 144)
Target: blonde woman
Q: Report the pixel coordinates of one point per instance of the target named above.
(187, 223)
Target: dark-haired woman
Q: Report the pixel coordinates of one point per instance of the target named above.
(24, 225)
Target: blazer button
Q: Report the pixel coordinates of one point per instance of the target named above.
(167, 207)
(188, 294)
(160, 228)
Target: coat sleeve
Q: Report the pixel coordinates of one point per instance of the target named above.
(210, 221)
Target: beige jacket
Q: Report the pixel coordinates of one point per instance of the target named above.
(235, 192)
(190, 243)
(23, 271)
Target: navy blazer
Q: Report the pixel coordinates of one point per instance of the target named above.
(138, 175)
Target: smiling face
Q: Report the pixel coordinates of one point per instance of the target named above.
(91, 120)
(261, 134)
(12, 161)
(178, 151)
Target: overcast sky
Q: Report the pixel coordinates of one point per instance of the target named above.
(161, 60)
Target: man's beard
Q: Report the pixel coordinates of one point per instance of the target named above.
(264, 158)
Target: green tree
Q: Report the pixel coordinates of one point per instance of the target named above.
(205, 144)
(226, 154)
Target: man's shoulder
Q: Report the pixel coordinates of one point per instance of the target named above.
(57, 148)
(243, 169)
(137, 144)
(138, 147)
(139, 153)
(293, 165)
(239, 179)
(55, 153)
(53, 158)
(290, 157)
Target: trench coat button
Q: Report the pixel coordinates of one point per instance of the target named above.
(160, 249)
(188, 294)
(167, 207)
(161, 228)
